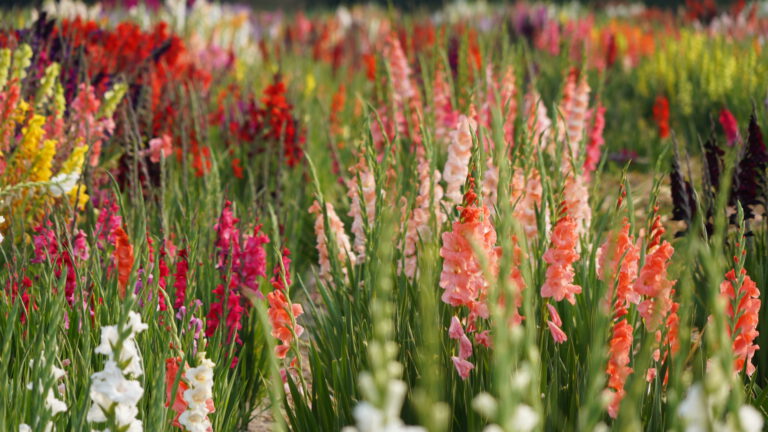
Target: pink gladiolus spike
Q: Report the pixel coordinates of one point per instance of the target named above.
(463, 367)
(455, 331)
(554, 316)
(160, 148)
(557, 333)
(465, 347)
(484, 338)
(560, 257)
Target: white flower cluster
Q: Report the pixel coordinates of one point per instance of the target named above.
(52, 403)
(372, 419)
(2, 221)
(63, 183)
(71, 9)
(696, 413)
(522, 418)
(114, 391)
(200, 379)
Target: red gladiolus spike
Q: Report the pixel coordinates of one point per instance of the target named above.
(180, 280)
(179, 405)
(123, 258)
(661, 115)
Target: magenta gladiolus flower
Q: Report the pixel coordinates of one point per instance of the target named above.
(253, 261)
(730, 127)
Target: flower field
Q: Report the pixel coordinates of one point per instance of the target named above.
(475, 218)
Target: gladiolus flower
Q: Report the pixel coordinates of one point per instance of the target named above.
(618, 258)
(445, 116)
(405, 95)
(560, 256)
(459, 153)
(618, 364)
(652, 280)
(730, 126)
(282, 316)
(227, 235)
(744, 303)
(401, 72)
(171, 373)
(577, 201)
(490, 184)
(455, 331)
(538, 125)
(464, 367)
(123, 259)
(337, 235)
(108, 222)
(80, 246)
(526, 196)
(426, 206)
(557, 333)
(509, 103)
(555, 324)
(194, 394)
(362, 195)
(180, 280)
(370, 66)
(661, 115)
(252, 260)
(462, 277)
(281, 278)
(596, 141)
(574, 110)
(160, 148)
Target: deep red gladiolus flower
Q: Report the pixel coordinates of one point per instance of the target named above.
(661, 115)
(180, 280)
(283, 126)
(163, 276)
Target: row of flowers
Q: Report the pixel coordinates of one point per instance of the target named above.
(160, 188)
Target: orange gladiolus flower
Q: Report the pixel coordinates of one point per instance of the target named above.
(123, 258)
(179, 405)
(747, 309)
(618, 364)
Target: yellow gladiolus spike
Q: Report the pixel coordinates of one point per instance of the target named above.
(75, 160)
(30, 141)
(41, 167)
(309, 84)
(78, 193)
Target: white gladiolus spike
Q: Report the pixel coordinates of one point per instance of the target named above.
(63, 183)
(114, 392)
(199, 396)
